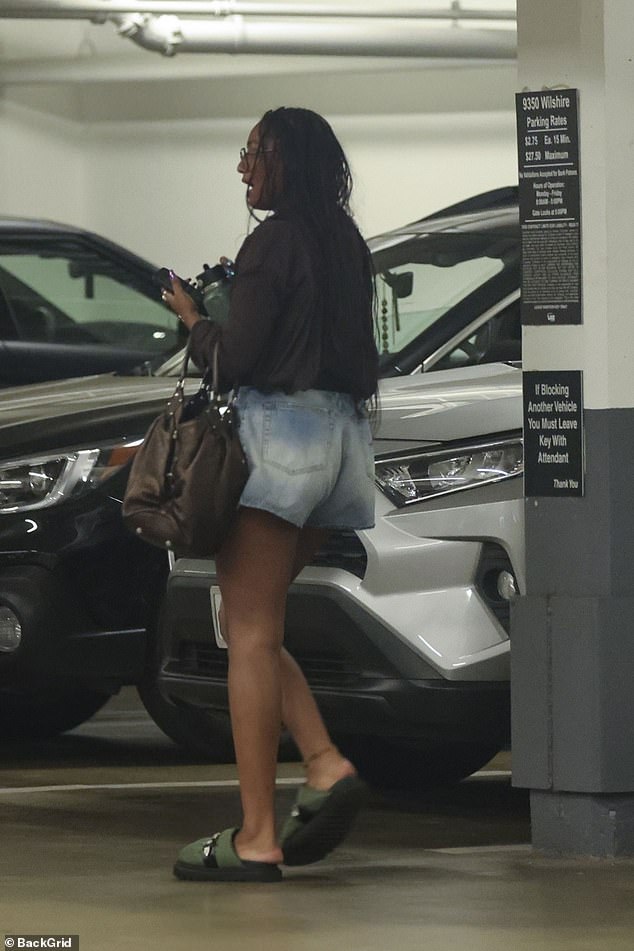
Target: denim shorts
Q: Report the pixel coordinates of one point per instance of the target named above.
(310, 457)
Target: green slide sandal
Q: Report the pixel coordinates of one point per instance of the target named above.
(214, 859)
(321, 819)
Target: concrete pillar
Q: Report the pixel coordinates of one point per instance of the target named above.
(573, 631)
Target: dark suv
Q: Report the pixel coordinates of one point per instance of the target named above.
(73, 304)
(80, 598)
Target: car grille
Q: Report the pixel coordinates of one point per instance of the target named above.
(199, 659)
(205, 659)
(343, 550)
(327, 642)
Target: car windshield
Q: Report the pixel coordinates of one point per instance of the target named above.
(63, 292)
(423, 279)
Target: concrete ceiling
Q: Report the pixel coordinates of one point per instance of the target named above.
(86, 71)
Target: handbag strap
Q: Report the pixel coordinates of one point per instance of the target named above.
(179, 392)
(215, 394)
(211, 385)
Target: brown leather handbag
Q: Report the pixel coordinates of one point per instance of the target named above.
(188, 474)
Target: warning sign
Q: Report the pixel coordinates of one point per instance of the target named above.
(553, 433)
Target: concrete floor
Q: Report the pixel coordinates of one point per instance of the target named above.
(92, 821)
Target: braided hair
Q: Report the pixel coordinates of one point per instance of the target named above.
(316, 184)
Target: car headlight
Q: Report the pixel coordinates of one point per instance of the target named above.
(41, 481)
(417, 476)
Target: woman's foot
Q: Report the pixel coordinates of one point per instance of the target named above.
(326, 767)
(252, 850)
(321, 819)
(215, 859)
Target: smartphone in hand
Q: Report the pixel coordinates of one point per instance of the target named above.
(163, 279)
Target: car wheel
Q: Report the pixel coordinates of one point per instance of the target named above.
(35, 714)
(403, 764)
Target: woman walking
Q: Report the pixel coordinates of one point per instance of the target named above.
(298, 345)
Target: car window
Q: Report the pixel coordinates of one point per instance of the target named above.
(75, 297)
(499, 339)
(412, 296)
(431, 285)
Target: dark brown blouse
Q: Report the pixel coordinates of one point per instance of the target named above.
(274, 335)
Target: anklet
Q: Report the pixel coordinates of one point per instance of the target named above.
(313, 756)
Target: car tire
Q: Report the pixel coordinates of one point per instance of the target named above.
(36, 714)
(413, 765)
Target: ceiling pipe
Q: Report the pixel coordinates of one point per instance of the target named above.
(380, 29)
(103, 9)
(169, 35)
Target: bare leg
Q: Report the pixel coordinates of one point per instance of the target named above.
(324, 763)
(300, 713)
(254, 570)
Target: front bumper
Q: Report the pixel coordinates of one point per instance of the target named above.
(399, 633)
(82, 588)
(60, 644)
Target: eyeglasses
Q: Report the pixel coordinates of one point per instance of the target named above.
(244, 153)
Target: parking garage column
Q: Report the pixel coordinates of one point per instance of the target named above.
(573, 629)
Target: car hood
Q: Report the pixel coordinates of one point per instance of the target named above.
(70, 412)
(448, 405)
(420, 409)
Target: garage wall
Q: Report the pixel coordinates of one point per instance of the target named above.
(151, 163)
(42, 165)
(170, 190)
(409, 165)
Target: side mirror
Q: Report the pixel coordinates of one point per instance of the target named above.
(401, 284)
